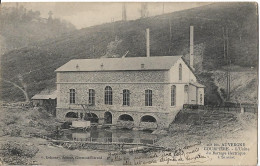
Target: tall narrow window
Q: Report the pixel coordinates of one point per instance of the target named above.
(173, 95)
(186, 88)
(201, 99)
(126, 97)
(72, 96)
(91, 98)
(148, 97)
(108, 95)
(180, 72)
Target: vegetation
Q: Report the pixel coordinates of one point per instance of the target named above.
(16, 153)
(36, 63)
(18, 122)
(17, 128)
(20, 27)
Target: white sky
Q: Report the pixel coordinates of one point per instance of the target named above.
(85, 14)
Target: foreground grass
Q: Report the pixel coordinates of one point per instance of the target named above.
(17, 127)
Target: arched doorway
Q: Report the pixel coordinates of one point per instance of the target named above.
(71, 115)
(93, 118)
(125, 117)
(148, 118)
(108, 118)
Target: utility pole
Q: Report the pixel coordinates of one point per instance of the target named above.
(170, 23)
(124, 18)
(224, 39)
(163, 8)
(228, 62)
(144, 10)
(113, 30)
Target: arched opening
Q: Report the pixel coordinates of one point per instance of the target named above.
(148, 122)
(71, 115)
(148, 118)
(108, 118)
(93, 118)
(125, 117)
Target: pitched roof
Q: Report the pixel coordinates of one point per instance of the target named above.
(46, 94)
(120, 64)
(197, 84)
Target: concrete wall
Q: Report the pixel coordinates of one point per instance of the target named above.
(196, 95)
(192, 94)
(187, 75)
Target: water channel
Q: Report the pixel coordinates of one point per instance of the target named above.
(109, 135)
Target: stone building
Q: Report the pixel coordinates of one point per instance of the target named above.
(140, 92)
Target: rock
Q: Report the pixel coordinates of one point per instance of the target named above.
(113, 127)
(160, 132)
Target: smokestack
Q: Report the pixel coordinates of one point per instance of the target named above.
(191, 47)
(147, 42)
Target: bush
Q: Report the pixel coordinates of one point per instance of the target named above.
(18, 153)
(8, 120)
(12, 130)
(19, 149)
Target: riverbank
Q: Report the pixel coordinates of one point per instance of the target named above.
(200, 129)
(207, 126)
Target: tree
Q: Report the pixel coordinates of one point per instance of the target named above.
(23, 88)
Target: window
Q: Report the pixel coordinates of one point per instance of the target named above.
(126, 97)
(72, 96)
(148, 97)
(180, 72)
(186, 88)
(91, 98)
(108, 95)
(201, 99)
(173, 95)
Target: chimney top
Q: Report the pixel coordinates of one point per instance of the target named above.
(147, 42)
(191, 47)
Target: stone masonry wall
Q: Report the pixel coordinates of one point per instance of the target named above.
(114, 76)
(118, 81)
(163, 120)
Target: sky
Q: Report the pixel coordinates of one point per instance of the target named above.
(86, 14)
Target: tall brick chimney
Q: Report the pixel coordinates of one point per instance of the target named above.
(191, 47)
(147, 42)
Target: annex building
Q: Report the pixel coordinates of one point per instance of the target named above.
(140, 92)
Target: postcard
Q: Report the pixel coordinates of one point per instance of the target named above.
(121, 83)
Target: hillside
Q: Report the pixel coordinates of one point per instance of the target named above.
(33, 66)
(20, 27)
(243, 85)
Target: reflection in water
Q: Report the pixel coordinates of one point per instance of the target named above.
(106, 135)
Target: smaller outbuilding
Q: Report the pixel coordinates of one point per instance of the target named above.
(46, 99)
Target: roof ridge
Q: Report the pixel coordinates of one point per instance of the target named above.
(127, 57)
(121, 64)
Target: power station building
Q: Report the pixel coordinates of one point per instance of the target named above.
(140, 92)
